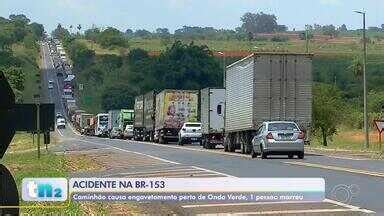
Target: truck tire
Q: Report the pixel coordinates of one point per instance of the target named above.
(301, 155)
(263, 154)
(254, 154)
(161, 140)
(242, 148)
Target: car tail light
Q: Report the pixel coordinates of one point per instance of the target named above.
(301, 135)
(269, 136)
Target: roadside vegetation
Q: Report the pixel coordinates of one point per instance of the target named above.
(115, 66)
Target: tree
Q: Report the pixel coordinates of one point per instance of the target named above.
(92, 34)
(60, 32)
(79, 27)
(19, 18)
(118, 97)
(329, 30)
(37, 29)
(259, 23)
(142, 33)
(343, 28)
(327, 110)
(111, 37)
(80, 54)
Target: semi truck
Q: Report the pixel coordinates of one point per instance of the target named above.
(85, 124)
(266, 87)
(101, 125)
(126, 117)
(212, 106)
(173, 109)
(113, 116)
(138, 125)
(149, 115)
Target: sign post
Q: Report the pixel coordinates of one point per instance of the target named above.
(380, 128)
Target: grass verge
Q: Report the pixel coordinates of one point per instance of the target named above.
(24, 164)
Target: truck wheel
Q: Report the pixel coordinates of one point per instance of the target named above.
(242, 148)
(263, 154)
(301, 155)
(161, 140)
(254, 154)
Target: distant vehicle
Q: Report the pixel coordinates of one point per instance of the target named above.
(278, 138)
(59, 115)
(144, 124)
(60, 123)
(113, 119)
(190, 133)
(101, 125)
(116, 133)
(128, 132)
(138, 125)
(212, 117)
(173, 109)
(126, 117)
(266, 87)
(50, 84)
(68, 94)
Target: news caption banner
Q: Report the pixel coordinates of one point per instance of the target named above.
(175, 189)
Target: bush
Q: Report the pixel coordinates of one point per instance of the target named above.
(279, 38)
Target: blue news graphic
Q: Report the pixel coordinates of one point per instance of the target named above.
(45, 189)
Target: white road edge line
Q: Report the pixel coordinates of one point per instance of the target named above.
(58, 131)
(242, 204)
(285, 212)
(153, 172)
(349, 206)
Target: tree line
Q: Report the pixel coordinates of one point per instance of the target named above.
(18, 30)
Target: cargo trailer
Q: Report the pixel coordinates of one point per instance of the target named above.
(173, 109)
(149, 115)
(126, 117)
(113, 116)
(266, 87)
(212, 116)
(85, 123)
(138, 125)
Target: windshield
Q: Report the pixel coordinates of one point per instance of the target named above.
(282, 126)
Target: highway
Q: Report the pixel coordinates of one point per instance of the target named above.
(363, 179)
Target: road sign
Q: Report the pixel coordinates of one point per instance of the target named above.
(81, 87)
(25, 117)
(379, 125)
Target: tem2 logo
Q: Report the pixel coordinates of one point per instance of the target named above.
(45, 189)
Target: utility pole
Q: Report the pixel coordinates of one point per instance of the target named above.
(306, 40)
(366, 130)
(224, 67)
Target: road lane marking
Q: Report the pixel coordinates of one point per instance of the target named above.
(154, 172)
(219, 173)
(61, 134)
(348, 206)
(284, 212)
(192, 149)
(120, 149)
(242, 204)
(336, 168)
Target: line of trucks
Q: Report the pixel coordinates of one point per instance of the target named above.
(261, 87)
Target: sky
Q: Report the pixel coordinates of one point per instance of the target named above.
(174, 14)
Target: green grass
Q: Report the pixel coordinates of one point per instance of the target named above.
(26, 164)
(317, 47)
(347, 139)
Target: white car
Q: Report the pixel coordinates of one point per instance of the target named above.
(50, 84)
(128, 132)
(190, 133)
(60, 123)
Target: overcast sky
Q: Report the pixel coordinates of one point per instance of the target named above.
(173, 14)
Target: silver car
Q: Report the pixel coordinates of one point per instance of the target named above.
(278, 138)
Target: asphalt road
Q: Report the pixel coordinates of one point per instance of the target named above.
(364, 179)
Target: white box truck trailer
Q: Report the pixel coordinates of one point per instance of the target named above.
(212, 116)
(266, 87)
